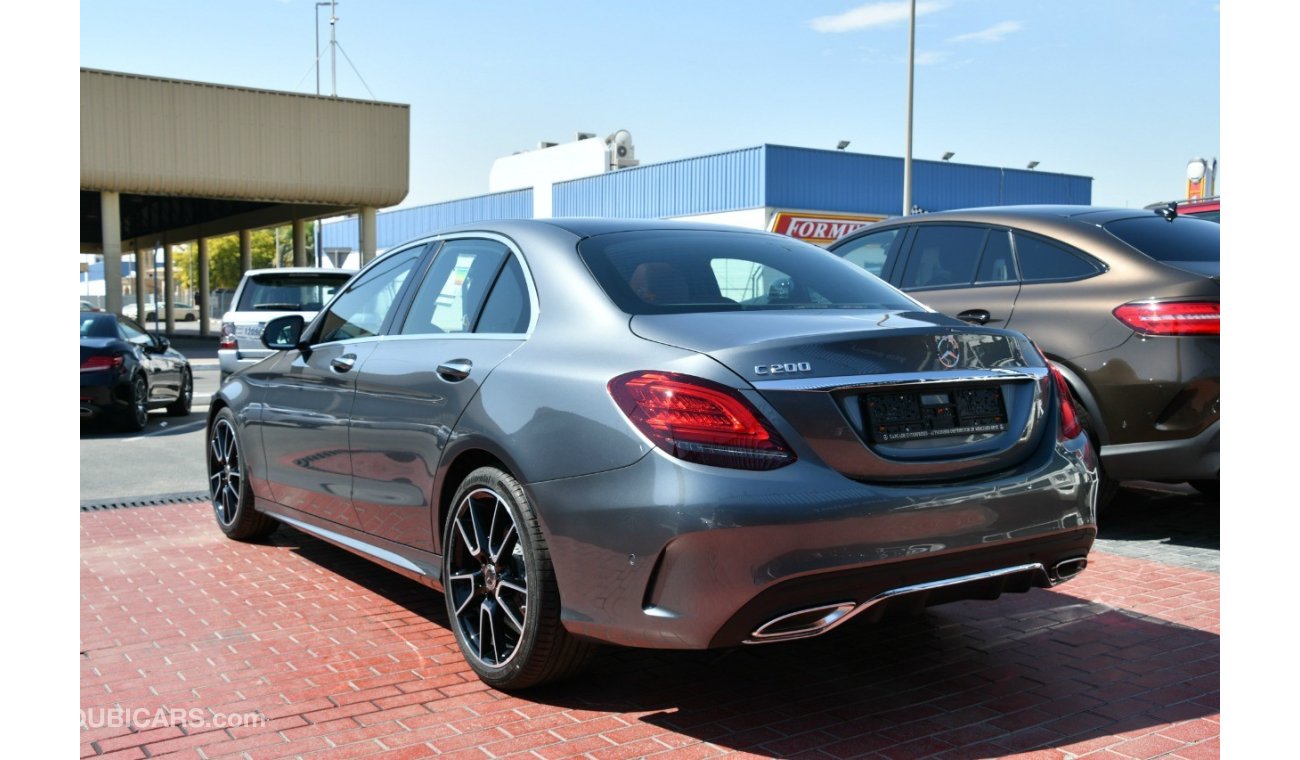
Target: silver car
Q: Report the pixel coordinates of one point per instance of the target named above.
(263, 295)
(654, 434)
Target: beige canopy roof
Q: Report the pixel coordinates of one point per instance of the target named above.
(193, 159)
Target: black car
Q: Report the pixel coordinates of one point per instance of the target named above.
(126, 371)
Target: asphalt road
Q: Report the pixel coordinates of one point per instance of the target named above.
(166, 457)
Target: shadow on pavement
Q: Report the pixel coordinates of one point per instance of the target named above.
(966, 680)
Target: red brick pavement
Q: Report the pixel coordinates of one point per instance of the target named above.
(326, 655)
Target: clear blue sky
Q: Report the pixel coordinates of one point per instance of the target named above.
(1125, 92)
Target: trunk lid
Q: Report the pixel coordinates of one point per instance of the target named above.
(884, 396)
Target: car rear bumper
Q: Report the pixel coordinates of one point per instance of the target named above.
(1195, 458)
(666, 554)
(102, 399)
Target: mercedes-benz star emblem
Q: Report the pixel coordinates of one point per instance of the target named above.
(948, 350)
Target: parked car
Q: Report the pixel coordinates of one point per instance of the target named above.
(264, 294)
(182, 312)
(1201, 208)
(88, 306)
(654, 434)
(1124, 302)
(126, 371)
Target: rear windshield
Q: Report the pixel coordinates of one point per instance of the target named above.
(290, 292)
(1183, 239)
(683, 271)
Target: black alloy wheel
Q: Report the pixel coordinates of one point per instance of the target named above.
(136, 415)
(232, 497)
(500, 588)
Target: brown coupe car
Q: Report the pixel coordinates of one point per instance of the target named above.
(1125, 302)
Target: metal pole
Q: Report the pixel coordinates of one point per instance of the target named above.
(333, 44)
(907, 156)
(315, 53)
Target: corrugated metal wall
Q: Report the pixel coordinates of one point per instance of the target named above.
(699, 185)
(774, 176)
(827, 180)
(157, 136)
(397, 227)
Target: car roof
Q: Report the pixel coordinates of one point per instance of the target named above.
(587, 226)
(299, 270)
(1011, 215)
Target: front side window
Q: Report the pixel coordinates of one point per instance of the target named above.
(943, 256)
(456, 286)
(869, 251)
(685, 271)
(362, 309)
(128, 331)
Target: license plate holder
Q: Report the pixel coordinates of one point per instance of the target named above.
(919, 414)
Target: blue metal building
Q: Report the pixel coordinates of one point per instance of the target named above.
(751, 187)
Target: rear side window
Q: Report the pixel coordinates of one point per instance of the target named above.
(943, 255)
(448, 300)
(1041, 260)
(687, 271)
(998, 264)
(290, 292)
(507, 309)
(1183, 239)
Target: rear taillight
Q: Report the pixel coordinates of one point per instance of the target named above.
(699, 421)
(96, 363)
(228, 336)
(1071, 426)
(1171, 317)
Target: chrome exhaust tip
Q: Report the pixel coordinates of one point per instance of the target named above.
(1068, 568)
(801, 624)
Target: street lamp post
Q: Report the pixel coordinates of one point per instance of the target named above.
(907, 156)
(316, 54)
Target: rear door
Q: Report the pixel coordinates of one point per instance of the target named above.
(309, 394)
(963, 270)
(470, 311)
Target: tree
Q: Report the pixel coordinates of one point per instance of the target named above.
(223, 256)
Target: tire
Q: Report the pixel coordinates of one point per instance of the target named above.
(181, 406)
(189, 317)
(503, 604)
(1209, 488)
(228, 487)
(136, 415)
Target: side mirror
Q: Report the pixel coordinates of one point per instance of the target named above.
(284, 332)
(160, 343)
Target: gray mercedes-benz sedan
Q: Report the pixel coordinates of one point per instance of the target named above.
(655, 434)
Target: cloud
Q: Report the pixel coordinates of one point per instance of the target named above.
(994, 33)
(874, 14)
(932, 57)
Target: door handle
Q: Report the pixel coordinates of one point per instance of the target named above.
(343, 363)
(976, 316)
(455, 370)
